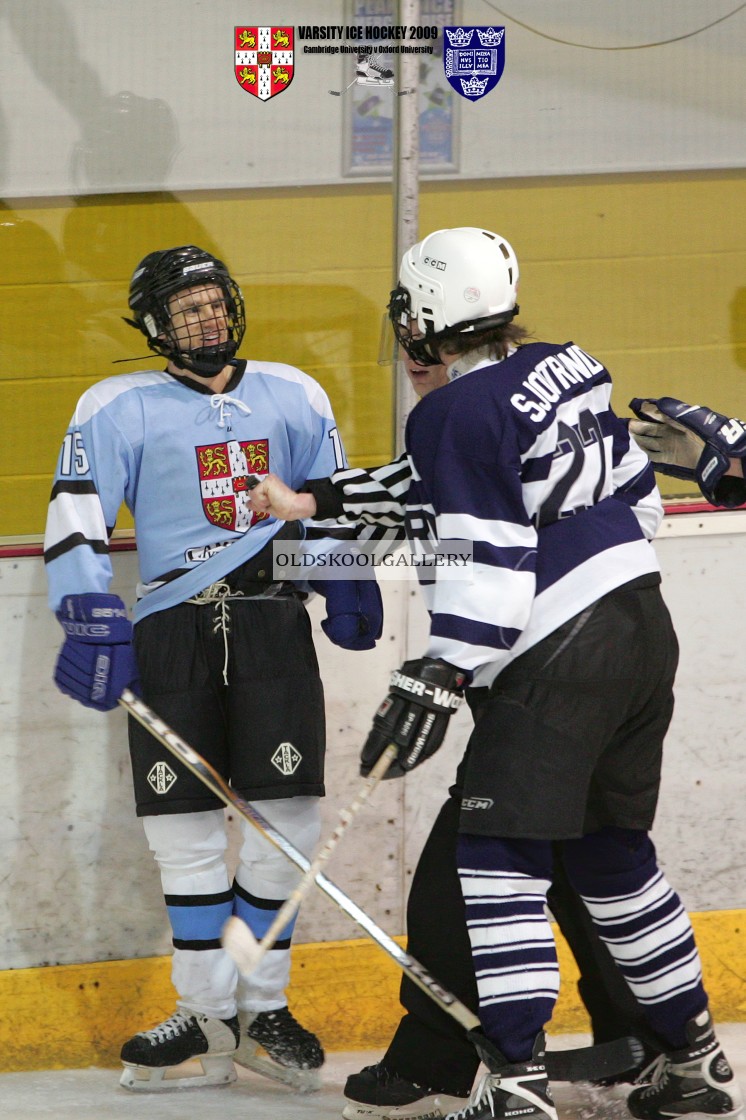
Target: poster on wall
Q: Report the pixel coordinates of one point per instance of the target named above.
(370, 86)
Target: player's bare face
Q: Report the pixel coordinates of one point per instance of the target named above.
(424, 378)
(199, 317)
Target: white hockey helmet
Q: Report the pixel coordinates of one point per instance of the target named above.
(452, 282)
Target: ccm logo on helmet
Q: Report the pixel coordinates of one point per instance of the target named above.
(440, 265)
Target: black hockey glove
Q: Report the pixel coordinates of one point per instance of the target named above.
(423, 695)
(687, 441)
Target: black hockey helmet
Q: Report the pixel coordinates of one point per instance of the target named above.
(157, 278)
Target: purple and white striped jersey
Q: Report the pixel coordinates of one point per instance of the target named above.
(526, 459)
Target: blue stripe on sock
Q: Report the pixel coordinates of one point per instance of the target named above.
(199, 923)
(260, 918)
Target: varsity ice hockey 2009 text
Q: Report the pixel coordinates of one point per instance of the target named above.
(399, 49)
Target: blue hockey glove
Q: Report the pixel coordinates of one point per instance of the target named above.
(354, 611)
(97, 661)
(687, 441)
(423, 695)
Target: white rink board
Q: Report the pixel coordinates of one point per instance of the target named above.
(91, 104)
(70, 841)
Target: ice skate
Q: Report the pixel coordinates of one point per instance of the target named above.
(153, 1060)
(274, 1044)
(380, 1092)
(697, 1083)
(370, 71)
(509, 1089)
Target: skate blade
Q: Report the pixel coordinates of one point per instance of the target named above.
(428, 1108)
(151, 1079)
(738, 1114)
(381, 83)
(251, 1056)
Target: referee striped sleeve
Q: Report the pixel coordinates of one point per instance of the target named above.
(377, 495)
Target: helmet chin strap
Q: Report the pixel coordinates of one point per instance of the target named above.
(426, 348)
(420, 350)
(206, 361)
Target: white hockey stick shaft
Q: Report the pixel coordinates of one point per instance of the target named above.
(217, 784)
(294, 899)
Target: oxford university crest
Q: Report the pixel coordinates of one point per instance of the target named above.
(474, 59)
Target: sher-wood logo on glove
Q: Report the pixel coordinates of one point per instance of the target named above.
(423, 695)
(440, 698)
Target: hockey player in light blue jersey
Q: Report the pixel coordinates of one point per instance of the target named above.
(221, 649)
(564, 635)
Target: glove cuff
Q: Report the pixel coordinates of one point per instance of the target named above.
(95, 618)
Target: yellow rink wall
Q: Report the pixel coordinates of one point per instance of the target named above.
(646, 271)
(345, 991)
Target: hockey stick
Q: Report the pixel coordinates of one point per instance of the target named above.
(339, 92)
(586, 1063)
(239, 940)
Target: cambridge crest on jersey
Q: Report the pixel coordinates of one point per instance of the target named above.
(264, 60)
(224, 470)
(474, 59)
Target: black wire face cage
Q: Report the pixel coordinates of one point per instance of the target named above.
(419, 347)
(205, 361)
(426, 349)
(188, 270)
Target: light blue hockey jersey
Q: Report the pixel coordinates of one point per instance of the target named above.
(180, 457)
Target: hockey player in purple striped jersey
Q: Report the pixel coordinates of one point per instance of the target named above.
(430, 1062)
(564, 628)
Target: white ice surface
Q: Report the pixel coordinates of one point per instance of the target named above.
(94, 1094)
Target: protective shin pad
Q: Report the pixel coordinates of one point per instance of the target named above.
(644, 924)
(504, 883)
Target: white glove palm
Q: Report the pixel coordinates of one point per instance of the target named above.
(666, 441)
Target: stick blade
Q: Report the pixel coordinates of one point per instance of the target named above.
(241, 945)
(592, 1063)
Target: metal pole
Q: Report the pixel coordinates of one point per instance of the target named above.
(406, 190)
